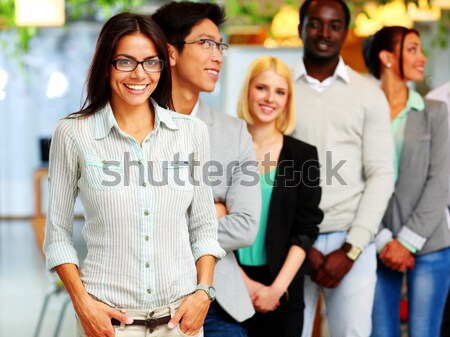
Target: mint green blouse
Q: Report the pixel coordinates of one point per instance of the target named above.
(414, 102)
(255, 255)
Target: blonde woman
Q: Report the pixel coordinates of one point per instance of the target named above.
(289, 170)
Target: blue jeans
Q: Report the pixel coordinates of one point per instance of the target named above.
(428, 284)
(219, 324)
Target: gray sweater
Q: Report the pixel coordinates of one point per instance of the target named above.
(349, 124)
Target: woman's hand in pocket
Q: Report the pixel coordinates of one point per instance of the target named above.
(192, 313)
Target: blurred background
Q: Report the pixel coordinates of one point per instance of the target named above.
(45, 50)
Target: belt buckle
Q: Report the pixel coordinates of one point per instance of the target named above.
(151, 323)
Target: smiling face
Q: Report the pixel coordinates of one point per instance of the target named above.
(132, 89)
(413, 58)
(267, 97)
(196, 68)
(323, 31)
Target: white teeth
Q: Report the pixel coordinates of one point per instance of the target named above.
(214, 72)
(266, 109)
(136, 87)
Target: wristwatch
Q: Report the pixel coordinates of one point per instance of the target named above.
(207, 289)
(351, 251)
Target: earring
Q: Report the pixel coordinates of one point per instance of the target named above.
(389, 65)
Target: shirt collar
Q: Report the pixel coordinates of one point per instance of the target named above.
(105, 120)
(164, 116)
(339, 72)
(414, 102)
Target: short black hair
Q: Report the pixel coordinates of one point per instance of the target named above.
(176, 19)
(385, 39)
(305, 6)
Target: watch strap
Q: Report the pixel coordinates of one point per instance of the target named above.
(209, 290)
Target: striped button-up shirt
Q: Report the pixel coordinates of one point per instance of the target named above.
(149, 214)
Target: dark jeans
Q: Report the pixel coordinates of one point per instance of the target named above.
(219, 324)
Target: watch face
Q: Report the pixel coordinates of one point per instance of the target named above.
(353, 254)
(212, 292)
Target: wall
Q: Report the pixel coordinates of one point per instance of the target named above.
(27, 113)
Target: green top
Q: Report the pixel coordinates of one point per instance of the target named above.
(255, 255)
(415, 102)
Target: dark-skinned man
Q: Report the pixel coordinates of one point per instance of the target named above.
(347, 118)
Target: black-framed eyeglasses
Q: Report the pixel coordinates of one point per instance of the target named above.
(149, 66)
(209, 44)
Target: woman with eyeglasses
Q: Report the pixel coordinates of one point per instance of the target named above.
(150, 223)
(274, 265)
(414, 237)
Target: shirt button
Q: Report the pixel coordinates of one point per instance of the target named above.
(147, 140)
(146, 212)
(144, 184)
(147, 265)
(149, 291)
(147, 238)
(140, 161)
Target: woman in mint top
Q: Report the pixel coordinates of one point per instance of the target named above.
(273, 267)
(414, 236)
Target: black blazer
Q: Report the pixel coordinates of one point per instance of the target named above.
(294, 214)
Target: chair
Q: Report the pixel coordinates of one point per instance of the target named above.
(54, 289)
(57, 287)
(38, 219)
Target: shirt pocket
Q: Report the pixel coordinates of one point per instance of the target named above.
(177, 175)
(104, 173)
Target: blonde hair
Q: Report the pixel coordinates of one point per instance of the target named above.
(286, 121)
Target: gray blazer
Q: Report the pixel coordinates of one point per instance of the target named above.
(420, 198)
(232, 148)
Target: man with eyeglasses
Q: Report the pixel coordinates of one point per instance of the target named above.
(196, 53)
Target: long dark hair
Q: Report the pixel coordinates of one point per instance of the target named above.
(386, 38)
(97, 82)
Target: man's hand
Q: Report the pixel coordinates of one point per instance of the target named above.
(266, 299)
(191, 313)
(333, 270)
(396, 257)
(221, 210)
(95, 317)
(316, 259)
